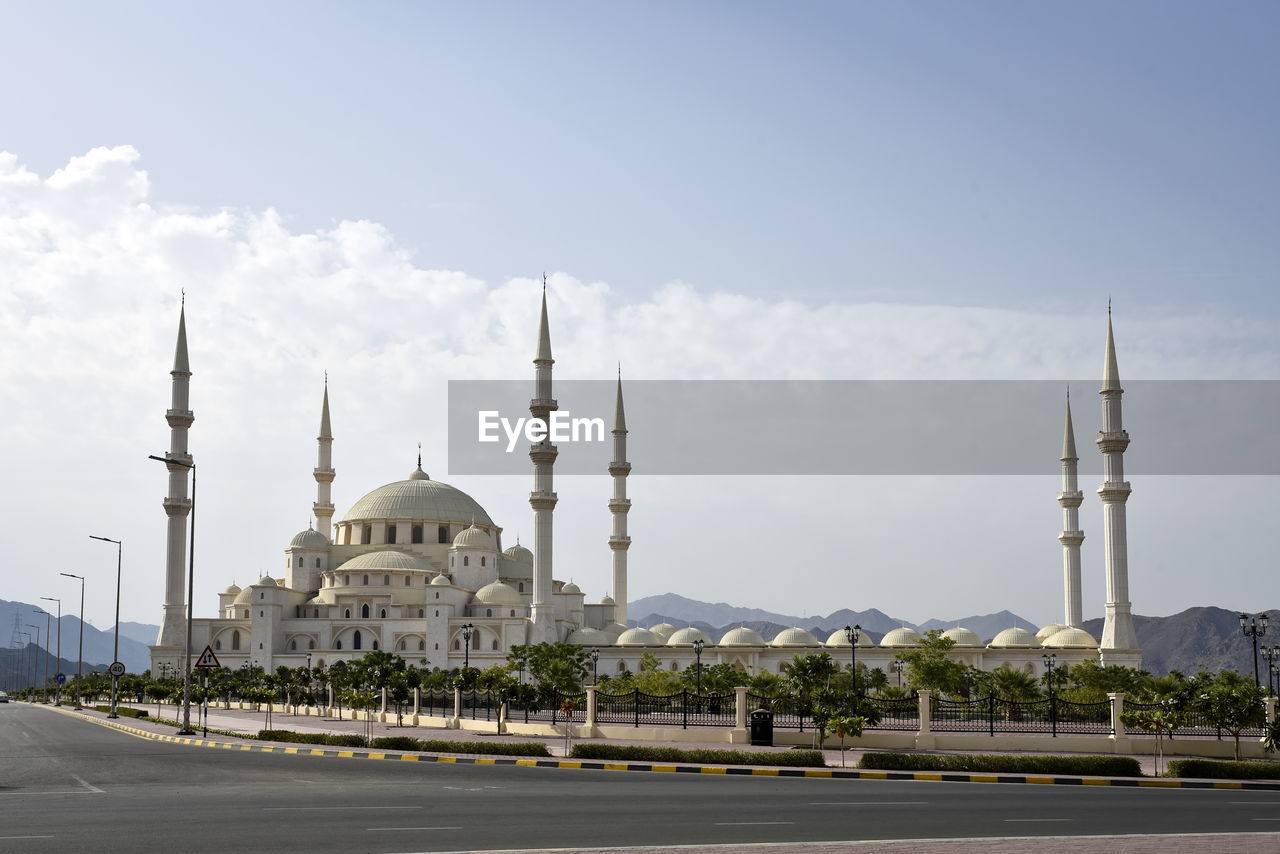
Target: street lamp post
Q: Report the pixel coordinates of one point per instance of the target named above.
(191, 585)
(1254, 627)
(1050, 659)
(57, 692)
(852, 634)
(899, 666)
(467, 631)
(80, 656)
(697, 664)
(115, 652)
(48, 635)
(595, 667)
(1272, 655)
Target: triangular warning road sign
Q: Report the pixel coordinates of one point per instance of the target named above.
(208, 659)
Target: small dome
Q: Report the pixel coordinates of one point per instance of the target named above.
(607, 600)
(741, 636)
(1051, 629)
(587, 636)
(901, 636)
(572, 589)
(963, 636)
(231, 590)
(473, 538)
(639, 637)
(1070, 638)
(665, 630)
(383, 560)
(837, 638)
(686, 637)
(441, 580)
(244, 597)
(794, 637)
(1014, 638)
(309, 539)
(498, 593)
(613, 631)
(520, 553)
(266, 581)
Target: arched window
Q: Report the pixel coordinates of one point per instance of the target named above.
(422, 646)
(437, 596)
(416, 534)
(407, 581)
(383, 613)
(293, 644)
(400, 646)
(246, 613)
(495, 644)
(235, 639)
(337, 644)
(317, 563)
(311, 644)
(488, 612)
(675, 665)
(475, 641)
(521, 587)
(421, 613)
(346, 580)
(513, 612)
(217, 644)
(317, 613)
(299, 561)
(355, 642)
(366, 535)
(437, 612)
(346, 612)
(386, 581)
(375, 644)
(366, 581)
(364, 611)
(456, 645)
(482, 560)
(442, 533)
(391, 534)
(622, 667)
(466, 560)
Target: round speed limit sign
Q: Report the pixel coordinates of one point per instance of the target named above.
(116, 669)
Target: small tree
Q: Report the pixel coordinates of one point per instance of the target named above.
(1161, 722)
(846, 726)
(1233, 705)
(928, 665)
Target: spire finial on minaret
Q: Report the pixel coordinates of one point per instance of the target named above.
(326, 429)
(419, 455)
(1110, 368)
(544, 329)
(1069, 434)
(180, 362)
(619, 416)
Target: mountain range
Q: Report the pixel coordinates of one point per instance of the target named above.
(98, 643)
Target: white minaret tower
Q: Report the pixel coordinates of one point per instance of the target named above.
(543, 497)
(619, 504)
(323, 508)
(177, 506)
(1117, 631)
(1071, 536)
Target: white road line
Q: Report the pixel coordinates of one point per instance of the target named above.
(455, 827)
(1264, 819)
(70, 792)
(48, 836)
(868, 803)
(748, 823)
(1037, 819)
(84, 783)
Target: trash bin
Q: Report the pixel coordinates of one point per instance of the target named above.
(762, 728)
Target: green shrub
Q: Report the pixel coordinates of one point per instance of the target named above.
(1212, 769)
(1107, 766)
(292, 737)
(495, 748)
(125, 711)
(790, 758)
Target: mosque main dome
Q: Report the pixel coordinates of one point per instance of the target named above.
(419, 499)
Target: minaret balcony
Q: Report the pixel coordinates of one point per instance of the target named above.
(323, 475)
(177, 506)
(1113, 442)
(1071, 499)
(179, 417)
(619, 543)
(619, 505)
(1117, 491)
(619, 468)
(1071, 538)
(543, 452)
(540, 500)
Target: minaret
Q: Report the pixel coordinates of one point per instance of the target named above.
(543, 497)
(176, 504)
(619, 504)
(323, 508)
(1071, 536)
(1117, 631)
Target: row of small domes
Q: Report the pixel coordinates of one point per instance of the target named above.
(665, 634)
(468, 538)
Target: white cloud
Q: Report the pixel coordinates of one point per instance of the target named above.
(91, 267)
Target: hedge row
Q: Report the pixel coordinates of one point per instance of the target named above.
(1107, 766)
(494, 748)
(1224, 770)
(312, 738)
(124, 711)
(791, 758)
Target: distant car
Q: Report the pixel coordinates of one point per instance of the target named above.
(4, 698)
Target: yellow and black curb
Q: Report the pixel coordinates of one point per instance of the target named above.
(726, 770)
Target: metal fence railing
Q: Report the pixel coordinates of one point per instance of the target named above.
(993, 715)
(684, 709)
(1194, 724)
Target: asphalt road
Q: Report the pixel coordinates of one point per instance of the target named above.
(69, 785)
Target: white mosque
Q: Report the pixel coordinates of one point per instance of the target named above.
(417, 568)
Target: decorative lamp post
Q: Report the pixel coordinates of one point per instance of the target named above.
(698, 643)
(899, 666)
(80, 657)
(595, 666)
(191, 587)
(1050, 659)
(1254, 627)
(467, 631)
(57, 691)
(115, 652)
(852, 634)
(1272, 655)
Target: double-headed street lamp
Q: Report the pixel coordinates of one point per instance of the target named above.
(1272, 655)
(595, 667)
(852, 634)
(698, 643)
(57, 691)
(115, 652)
(467, 631)
(191, 589)
(80, 656)
(1254, 627)
(899, 666)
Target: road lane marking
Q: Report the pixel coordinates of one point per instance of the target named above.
(328, 809)
(1037, 819)
(1264, 819)
(867, 803)
(749, 823)
(48, 836)
(87, 785)
(454, 827)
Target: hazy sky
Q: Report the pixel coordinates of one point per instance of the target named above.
(737, 190)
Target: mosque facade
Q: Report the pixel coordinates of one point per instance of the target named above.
(417, 567)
